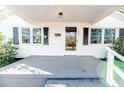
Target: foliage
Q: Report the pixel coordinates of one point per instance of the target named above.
(121, 10)
(71, 43)
(118, 45)
(1, 39)
(119, 63)
(7, 51)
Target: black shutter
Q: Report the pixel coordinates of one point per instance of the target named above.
(121, 32)
(15, 35)
(85, 36)
(46, 35)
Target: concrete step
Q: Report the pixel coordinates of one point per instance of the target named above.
(75, 82)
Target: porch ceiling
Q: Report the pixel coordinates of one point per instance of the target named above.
(71, 13)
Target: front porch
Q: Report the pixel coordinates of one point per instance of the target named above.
(48, 70)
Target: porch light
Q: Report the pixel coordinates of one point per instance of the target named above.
(45, 36)
(60, 14)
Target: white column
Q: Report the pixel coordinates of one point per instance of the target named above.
(109, 73)
(102, 38)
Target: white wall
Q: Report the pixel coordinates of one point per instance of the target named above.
(57, 45)
(110, 21)
(8, 20)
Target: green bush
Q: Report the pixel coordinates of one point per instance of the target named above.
(118, 45)
(7, 52)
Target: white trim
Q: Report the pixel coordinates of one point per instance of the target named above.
(117, 33)
(31, 35)
(89, 36)
(111, 67)
(102, 35)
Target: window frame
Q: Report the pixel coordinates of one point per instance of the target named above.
(119, 32)
(30, 41)
(41, 35)
(18, 36)
(114, 37)
(90, 32)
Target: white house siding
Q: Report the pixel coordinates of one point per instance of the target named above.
(8, 20)
(57, 44)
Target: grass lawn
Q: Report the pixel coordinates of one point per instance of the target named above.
(119, 63)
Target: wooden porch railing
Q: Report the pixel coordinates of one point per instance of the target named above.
(111, 68)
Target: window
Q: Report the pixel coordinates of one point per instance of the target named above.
(25, 35)
(121, 32)
(15, 36)
(109, 35)
(96, 36)
(46, 35)
(36, 35)
(85, 36)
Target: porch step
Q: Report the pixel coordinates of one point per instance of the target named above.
(75, 82)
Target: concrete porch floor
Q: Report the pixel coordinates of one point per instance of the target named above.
(40, 68)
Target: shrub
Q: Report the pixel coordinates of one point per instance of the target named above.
(7, 52)
(1, 39)
(118, 45)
